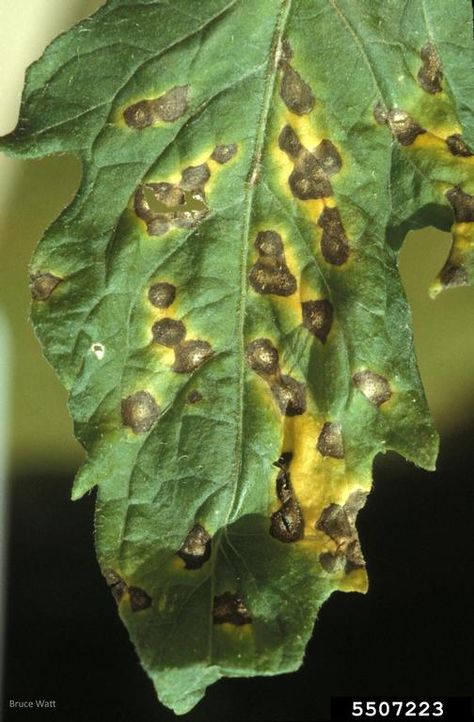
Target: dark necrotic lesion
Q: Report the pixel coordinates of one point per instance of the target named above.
(318, 317)
(339, 523)
(330, 440)
(42, 285)
(373, 386)
(462, 204)
(188, 355)
(403, 126)
(168, 107)
(139, 599)
(162, 295)
(140, 412)
(295, 92)
(334, 243)
(164, 205)
(457, 146)
(309, 178)
(196, 548)
(290, 394)
(230, 608)
(224, 153)
(270, 274)
(286, 524)
(430, 75)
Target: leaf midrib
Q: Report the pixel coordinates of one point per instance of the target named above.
(251, 183)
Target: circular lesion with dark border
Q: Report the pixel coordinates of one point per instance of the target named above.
(262, 356)
(190, 355)
(162, 295)
(373, 386)
(168, 332)
(224, 153)
(140, 412)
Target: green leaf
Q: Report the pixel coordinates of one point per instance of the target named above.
(222, 297)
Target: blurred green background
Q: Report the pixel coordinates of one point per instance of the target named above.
(32, 193)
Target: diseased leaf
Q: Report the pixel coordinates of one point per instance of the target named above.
(223, 302)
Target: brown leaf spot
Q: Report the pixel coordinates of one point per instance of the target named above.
(229, 608)
(152, 199)
(195, 178)
(380, 113)
(162, 295)
(295, 93)
(284, 489)
(173, 104)
(139, 599)
(339, 523)
(194, 397)
(290, 395)
(168, 107)
(454, 275)
(270, 274)
(335, 523)
(168, 332)
(287, 524)
(457, 146)
(269, 243)
(139, 115)
(430, 75)
(289, 142)
(224, 153)
(140, 411)
(334, 244)
(354, 556)
(354, 504)
(273, 279)
(462, 203)
(308, 180)
(163, 205)
(374, 387)
(190, 355)
(318, 317)
(196, 548)
(333, 563)
(117, 585)
(403, 126)
(330, 442)
(328, 156)
(262, 356)
(42, 285)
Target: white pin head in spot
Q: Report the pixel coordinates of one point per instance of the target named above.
(98, 350)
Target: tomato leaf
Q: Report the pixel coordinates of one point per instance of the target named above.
(222, 298)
